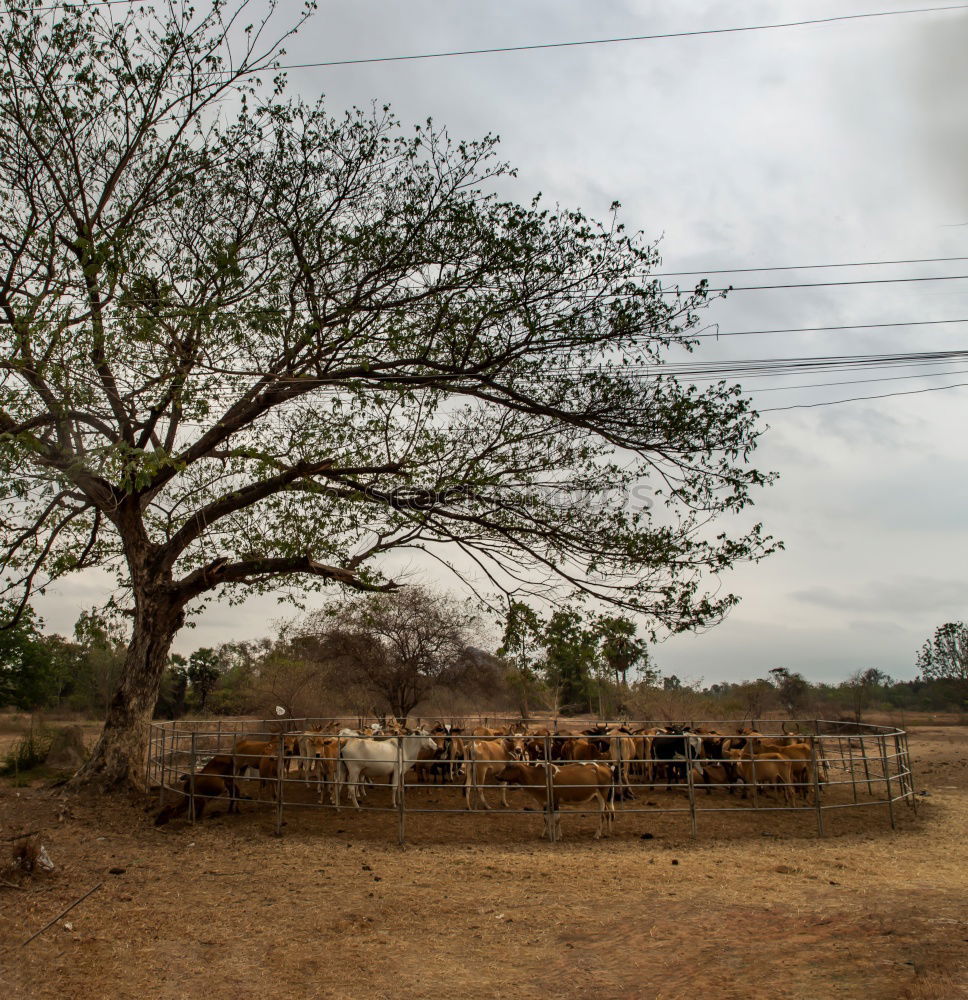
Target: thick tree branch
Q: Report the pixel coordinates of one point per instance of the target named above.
(221, 571)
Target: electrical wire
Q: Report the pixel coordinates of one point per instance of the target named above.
(658, 36)
(855, 381)
(824, 329)
(824, 284)
(626, 38)
(806, 267)
(855, 399)
(267, 313)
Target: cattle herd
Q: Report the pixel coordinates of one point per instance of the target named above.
(591, 769)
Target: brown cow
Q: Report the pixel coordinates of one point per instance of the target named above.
(248, 753)
(571, 784)
(800, 756)
(269, 771)
(214, 779)
(582, 750)
(767, 768)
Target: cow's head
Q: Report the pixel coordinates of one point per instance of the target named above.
(512, 774)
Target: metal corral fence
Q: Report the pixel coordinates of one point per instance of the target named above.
(841, 765)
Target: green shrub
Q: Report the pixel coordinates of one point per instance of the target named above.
(29, 752)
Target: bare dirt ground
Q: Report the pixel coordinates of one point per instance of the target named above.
(757, 907)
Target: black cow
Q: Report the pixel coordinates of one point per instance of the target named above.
(673, 750)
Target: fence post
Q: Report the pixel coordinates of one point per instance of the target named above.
(850, 755)
(151, 739)
(280, 765)
(815, 767)
(162, 772)
(191, 779)
(867, 769)
(692, 792)
(401, 809)
(470, 775)
(549, 793)
(691, 786)
(887, 781)
(619, 758)
(903, 774)
(907, 757)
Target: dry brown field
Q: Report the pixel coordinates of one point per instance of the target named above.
(758, 906)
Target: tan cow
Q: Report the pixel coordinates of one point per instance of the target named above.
(483, 758)
(641, 765)
(321, 755)
(622, 752)
(571, 784)
(487, 731)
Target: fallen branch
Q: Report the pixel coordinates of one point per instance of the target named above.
(63, 913)
(18, 836)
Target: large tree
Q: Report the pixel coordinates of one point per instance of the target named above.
(944, 657)
(249, 345)
(401, 645)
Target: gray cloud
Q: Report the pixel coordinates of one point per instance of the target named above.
(903, 597)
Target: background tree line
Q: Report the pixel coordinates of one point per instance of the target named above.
(417, 650)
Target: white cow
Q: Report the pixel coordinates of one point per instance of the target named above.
(379, 758)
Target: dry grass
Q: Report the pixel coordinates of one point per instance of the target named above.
(482, 909)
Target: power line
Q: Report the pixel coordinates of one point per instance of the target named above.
(618, 40)
(823, 284)
(822, 329)
(807, 267)
(857, 381)
(773, 367)
(854, 399)
(269, 313)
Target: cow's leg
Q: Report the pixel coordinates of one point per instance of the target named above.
(318, 774)
(337, 780)
(479, 784)
(233, 791)
(351, 781)
(471, 784)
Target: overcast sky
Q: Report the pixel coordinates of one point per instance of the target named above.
(833, 143)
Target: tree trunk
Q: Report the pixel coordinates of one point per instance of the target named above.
(118, 760)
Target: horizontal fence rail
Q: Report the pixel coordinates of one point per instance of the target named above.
(705, 766)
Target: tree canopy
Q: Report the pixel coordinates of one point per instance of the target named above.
(401, 644)
(249, 344)
(944, 657)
